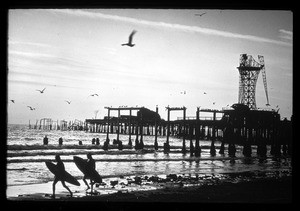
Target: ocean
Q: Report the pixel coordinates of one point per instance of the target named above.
(26, 157)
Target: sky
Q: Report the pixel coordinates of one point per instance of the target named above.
(177, 56)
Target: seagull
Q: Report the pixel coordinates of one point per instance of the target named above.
(94, 95)
(130, 39)
(69, 102)
(31, 108)
(41, 91)
(12, 101)
(200, 14)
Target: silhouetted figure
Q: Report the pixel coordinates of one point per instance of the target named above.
(222, 148)
(105, 145)
(45, 140)
(120, 145)
(97, 141)
(231, 150)
(137, 145)
(80, 143)
(130, 44)
(93, 141)
(212, 149)
(91, 163)
(60, 141)
(166, 148)
(115, 141)
(61, 168)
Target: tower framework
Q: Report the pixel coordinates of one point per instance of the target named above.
(249, 70)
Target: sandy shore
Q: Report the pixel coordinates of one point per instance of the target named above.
(259, 190)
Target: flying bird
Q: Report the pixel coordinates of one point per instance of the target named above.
(41, 91)
(130, 44)
(12, 101)
(69, 102)
(31, 108)
(200, 14)
(204, 93)
(94, 95)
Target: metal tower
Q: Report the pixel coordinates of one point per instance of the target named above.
(249, 70)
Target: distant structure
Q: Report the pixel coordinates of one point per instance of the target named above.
(249, 70)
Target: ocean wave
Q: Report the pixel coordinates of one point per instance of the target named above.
(190, 159)
(58, 147)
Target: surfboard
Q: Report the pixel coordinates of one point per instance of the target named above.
(66, 176)
(86, 170)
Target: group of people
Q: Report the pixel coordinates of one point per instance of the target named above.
(45, 141)
(61, 171)
(60, 141)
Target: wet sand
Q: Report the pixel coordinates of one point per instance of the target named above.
(259, 190)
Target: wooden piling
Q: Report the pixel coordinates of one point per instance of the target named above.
(197, 144)
(155, 130)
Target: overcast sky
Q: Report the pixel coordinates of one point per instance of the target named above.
(76, 53)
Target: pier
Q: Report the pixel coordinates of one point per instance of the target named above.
(238, 125)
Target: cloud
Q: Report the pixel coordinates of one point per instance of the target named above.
(29, 43)
(82, 13)
(286, 35)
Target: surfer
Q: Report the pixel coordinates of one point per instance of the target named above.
(92, 165)
(60, 177)
(45, 140)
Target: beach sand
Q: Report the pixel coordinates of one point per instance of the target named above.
(261, 190)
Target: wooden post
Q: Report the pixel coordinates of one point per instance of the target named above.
(118, 127)
(155, 139)
(197, 147)
(129, 128)
(191, 139)
(168, 127)
(141, 139)
(108, 116)
(184, 131)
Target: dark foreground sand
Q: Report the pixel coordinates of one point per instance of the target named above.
(261, 192)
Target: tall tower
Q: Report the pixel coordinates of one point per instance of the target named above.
(249, 70)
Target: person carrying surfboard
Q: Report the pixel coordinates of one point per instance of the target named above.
(60, 177)
(92, 165)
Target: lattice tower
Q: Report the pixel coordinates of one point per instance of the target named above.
(249, 70)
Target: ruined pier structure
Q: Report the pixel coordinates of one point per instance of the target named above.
(49, 124)
(238, 125)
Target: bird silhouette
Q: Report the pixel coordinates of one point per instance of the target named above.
(12, 101)
(69, 102)
(214, 103)
(204, 93)
(200, 14)
(41, 91)
(31, 108)
(130, 44)
(94, 95)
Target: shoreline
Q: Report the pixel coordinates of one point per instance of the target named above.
(256, 190)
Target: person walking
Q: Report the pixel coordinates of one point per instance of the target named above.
(60, 176)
